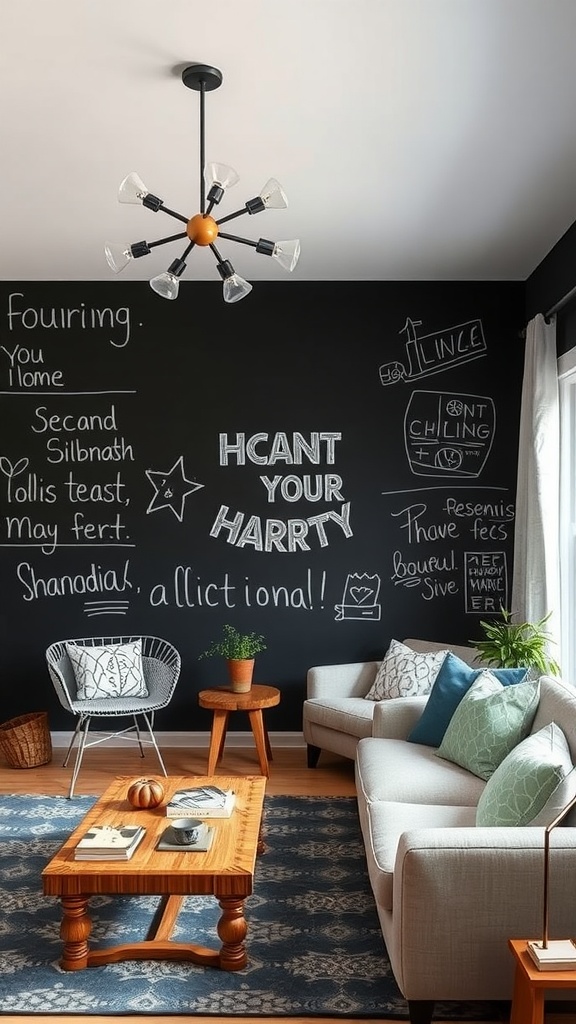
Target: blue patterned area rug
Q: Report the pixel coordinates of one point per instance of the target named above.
(314, 942)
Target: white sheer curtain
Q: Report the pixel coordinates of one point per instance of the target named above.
(536, 576)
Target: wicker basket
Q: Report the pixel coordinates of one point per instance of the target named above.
(25, 741)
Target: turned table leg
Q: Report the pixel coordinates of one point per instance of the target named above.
(74, 931)
(232, 928)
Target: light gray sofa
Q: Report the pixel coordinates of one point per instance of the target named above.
(336, 715)
(448, 894)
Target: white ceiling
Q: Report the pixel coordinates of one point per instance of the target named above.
(415, 139)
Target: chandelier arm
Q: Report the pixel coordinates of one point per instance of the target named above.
(232, 216)
(188, 249)
(172, 213)
(236, 238)
(169, 238)
(216, 253)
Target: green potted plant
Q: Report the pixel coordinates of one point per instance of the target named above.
(239, 650)
(508, 644)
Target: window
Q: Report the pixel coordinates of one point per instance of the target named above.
(567, 390)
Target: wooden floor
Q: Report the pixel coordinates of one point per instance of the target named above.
(289, 776)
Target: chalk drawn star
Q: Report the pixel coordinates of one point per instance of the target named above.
(171, 489)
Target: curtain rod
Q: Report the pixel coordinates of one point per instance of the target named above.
(561, 303)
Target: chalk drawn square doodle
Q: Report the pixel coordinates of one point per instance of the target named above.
(360, 598)
(448, 434)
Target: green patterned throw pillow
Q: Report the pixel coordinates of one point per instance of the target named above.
(488, 723)
(532, 784)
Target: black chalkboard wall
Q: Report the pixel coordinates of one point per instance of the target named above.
(329, 464)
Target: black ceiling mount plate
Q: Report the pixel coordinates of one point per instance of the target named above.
(197, 75)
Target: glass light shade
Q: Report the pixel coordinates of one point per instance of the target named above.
(235, 288)
(166, 285)
(132, 189)
(273, 196)
(220, 174)
(118, 255)
(287, 253)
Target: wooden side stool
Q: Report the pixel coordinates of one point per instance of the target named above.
(221, 701)
(530, 984)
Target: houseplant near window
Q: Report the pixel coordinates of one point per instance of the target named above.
(508, 644)
(239, 650)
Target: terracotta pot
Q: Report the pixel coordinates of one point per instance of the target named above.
(240, 672)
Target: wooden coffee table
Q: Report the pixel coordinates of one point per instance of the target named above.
(226, 871)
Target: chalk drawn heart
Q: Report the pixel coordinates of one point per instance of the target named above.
(361, 594)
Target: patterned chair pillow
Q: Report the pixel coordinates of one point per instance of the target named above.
(114, 670)
(405, 673)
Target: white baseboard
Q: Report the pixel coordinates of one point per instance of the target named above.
(197, 740)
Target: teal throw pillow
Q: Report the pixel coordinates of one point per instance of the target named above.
(533, 784)
(453, 680)
(488, 723)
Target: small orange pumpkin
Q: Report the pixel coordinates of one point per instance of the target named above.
(146, 793)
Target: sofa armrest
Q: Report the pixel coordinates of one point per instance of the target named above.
(351, 680)
(463, 885)
(394, 719)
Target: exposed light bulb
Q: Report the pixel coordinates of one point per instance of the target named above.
(287, 253)
(118, 255)
(273, 195)
(166, 285)
(132, 189)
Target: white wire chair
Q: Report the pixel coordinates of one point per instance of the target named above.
(161, 669)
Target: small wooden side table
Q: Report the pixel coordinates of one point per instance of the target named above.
(530, 984)
(221, 701)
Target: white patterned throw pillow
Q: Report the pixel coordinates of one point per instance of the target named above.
(405, 673)
(114, 670)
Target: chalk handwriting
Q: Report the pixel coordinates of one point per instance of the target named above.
(433, 353)
(97, 580)
(21, 375)
(486, 582)
(114, 322)
(186, 590)
(275, 534)
(264, 452)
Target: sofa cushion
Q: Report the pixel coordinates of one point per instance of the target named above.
(453, 680)
(532, 784)
(352, 715)
(490, 720)
(387, 821)
(405, 673)
(389, 769)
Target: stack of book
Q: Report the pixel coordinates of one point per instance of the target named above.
(557, 955)
(104, 842)
(201, 802)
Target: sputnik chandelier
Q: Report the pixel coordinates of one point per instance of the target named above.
(203, 229)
